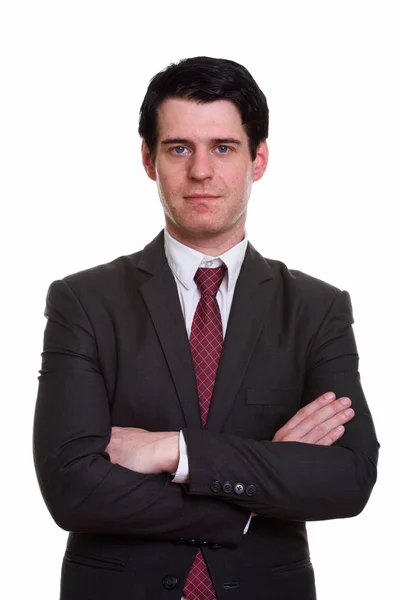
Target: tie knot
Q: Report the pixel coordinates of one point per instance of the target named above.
(209, 280)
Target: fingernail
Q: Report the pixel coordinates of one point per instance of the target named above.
(329, 396)
(340, 429)
(346, 401)
(348, 412)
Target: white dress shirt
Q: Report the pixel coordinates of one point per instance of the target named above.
(184, 262)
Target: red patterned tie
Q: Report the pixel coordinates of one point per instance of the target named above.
(205, 344)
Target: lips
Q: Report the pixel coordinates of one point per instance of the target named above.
(200, 196)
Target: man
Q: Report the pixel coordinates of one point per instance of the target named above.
(194, 398)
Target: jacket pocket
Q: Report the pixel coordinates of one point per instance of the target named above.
(293, 566)
(96, 562)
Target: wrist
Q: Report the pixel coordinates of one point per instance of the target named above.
(169, 452)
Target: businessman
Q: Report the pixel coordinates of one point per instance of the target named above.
(197, 402)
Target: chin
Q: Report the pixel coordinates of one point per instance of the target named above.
(206, 226)
(206, 231)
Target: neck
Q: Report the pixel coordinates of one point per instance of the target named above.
(206, 243)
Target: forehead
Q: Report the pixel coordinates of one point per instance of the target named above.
(179, 117)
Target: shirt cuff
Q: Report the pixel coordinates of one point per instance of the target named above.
(182, 472)
(245, 530)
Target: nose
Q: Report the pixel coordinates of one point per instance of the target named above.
(201, 166)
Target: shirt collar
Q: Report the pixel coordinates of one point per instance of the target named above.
(185, 261)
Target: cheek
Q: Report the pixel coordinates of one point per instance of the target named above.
(247, 182)
(239, 176)
(240, 185)
(171, 180)
(169, 189)
(164, 182)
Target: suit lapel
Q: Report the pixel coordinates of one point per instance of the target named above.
(160, 295)
(252, 298)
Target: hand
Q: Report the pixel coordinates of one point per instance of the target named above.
(320, 422)
(149, 452)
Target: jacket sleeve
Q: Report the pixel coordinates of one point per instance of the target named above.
(83, 490)
(293, 480)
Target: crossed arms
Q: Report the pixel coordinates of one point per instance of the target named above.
(304, 478)
(321, 423)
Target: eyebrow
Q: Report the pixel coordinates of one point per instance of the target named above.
(214, 141)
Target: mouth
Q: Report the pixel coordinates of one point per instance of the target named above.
(201, 197)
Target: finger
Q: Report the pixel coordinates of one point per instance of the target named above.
(321, 411)
(309, 409)
(325, 413)
(332, 437)
(314, 420)
(328, 412)
(326, 427)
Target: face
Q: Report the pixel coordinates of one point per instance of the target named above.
(203, 168)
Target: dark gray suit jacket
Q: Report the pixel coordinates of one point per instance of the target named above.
(116, 352)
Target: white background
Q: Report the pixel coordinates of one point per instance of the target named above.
(74, 194)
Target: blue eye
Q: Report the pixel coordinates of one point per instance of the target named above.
(222, 149)
(179, 149)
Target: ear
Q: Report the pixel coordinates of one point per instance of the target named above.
(261, 161)
(148, 161)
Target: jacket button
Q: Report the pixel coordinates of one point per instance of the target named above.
(215, 546)
(227, 487)
(192, 542)
(239, 488)
(215, 486)
(251, 490)
(170, 582)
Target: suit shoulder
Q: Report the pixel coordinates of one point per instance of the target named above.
(309, 296)
(103, 277)
(305, 286)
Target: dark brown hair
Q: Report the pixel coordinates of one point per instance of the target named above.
(204, 79)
